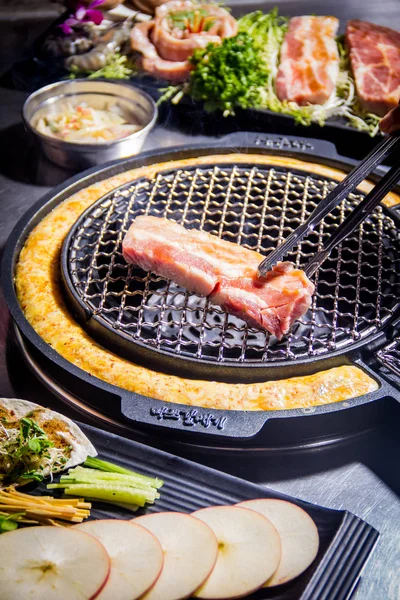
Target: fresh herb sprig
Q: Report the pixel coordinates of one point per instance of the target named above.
(229, 75)
(118, 66)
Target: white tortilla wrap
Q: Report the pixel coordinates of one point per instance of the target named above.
(73, 436)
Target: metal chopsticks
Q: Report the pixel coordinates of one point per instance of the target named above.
(359, 214)
(388, 145)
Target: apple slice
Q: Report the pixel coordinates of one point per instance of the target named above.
(136, 557)
(249, 551)
(298, 533)
(51, 563)
(190, 551)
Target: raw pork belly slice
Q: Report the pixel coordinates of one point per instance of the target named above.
(375, 62)
(223, 271)
(309, 63)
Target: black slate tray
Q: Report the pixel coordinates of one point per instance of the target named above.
(346, 541)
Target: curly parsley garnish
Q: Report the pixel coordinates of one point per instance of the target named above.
(228, 75)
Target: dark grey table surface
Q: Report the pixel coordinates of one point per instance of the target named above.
(362, 475)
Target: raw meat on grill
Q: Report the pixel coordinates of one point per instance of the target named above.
(221, 270)
(375, 62)
(309, 62)
(179, 27)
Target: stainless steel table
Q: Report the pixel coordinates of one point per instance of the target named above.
(362, 475)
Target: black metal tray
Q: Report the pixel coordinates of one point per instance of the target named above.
(346, 541)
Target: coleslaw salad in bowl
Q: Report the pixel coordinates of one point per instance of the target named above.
(81, 123)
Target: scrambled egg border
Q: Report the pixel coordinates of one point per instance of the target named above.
(38, 289)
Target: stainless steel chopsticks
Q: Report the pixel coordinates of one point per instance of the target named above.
(359, 214)
(388, 144)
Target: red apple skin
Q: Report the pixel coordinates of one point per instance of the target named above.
(131, 522)
(280, 578)
(108, 573)
(249, 591)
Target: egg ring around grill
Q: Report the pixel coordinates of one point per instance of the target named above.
(45, 309)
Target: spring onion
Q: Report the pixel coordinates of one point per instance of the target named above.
(117, 67)
(103, 465)
(104, 481)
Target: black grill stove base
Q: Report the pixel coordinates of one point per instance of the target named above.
(372, 441)
(278, 432)
(327, 434)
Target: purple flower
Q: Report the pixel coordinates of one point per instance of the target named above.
(83, 14)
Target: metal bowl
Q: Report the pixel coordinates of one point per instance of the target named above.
(133, 103)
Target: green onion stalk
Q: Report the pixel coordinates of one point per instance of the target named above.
(117, 67)
(106, 482)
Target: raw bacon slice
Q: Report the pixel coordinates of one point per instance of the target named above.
(179, 27)
(375, 62)
(309, 63)
(151, 62)
(221, 270)
(178, 42)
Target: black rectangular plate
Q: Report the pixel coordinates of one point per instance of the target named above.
(345, 540)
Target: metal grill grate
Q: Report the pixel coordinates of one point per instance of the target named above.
(357, 288)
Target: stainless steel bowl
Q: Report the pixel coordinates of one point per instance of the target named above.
(131, 102)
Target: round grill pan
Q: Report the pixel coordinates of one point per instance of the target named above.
(354, 315)
(153, 321)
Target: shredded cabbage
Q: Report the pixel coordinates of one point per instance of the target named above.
(82, 123)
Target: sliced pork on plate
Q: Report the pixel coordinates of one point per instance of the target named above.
(375, 62)
(309, 61)
(178, 28)
(221, 270)
(151, 61)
